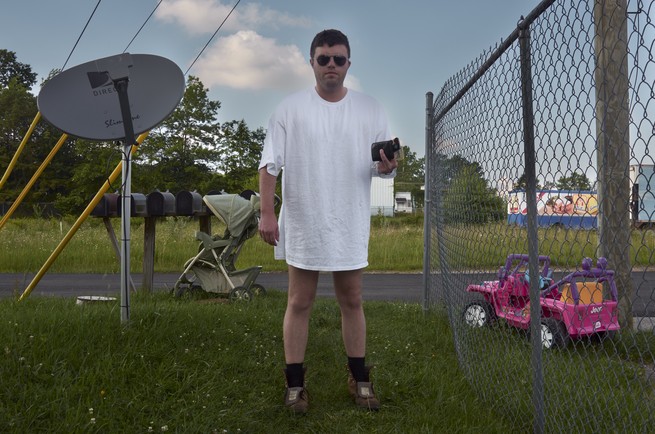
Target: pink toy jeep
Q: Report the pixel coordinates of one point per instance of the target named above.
(583, 303)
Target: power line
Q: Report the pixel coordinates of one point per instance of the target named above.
(80, 37)
(212, 37)
(142, 26)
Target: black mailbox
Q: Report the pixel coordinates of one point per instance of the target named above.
(189, 203)
(161, 203)
(137, 205)
(107, 207)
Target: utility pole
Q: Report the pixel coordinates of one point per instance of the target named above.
(613, 145)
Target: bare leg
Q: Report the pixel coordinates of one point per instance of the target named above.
(300, 299)
(348, 290)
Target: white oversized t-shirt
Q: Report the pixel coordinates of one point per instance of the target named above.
(324, 149)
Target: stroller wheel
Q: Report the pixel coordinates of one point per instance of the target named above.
(190, 290)
(257, 290)
(178, 289)
(240, 293)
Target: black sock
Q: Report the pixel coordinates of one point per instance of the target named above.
(295, 375)
(358, 368)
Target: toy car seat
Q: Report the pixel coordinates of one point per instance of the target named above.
(590, 293)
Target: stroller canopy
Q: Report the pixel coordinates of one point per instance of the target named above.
(237, 213)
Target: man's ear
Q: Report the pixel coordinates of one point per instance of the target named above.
(311, 61)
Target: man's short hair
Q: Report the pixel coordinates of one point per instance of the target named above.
(330, 37)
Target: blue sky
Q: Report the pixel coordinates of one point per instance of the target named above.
(400, 50)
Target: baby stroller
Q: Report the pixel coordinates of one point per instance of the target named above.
(213, 269)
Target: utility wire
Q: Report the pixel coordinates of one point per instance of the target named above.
(80, 37)
(210, 39)
(142, 26)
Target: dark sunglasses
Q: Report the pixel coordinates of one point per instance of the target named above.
(338, 60)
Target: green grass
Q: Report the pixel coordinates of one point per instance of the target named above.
(396, 245)
(26, 244)
(487, 246)
(606, 379)
(201, 366)
(197, 366)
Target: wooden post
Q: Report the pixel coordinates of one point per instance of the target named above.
(149, 233)
(613, 145)
(205, 222)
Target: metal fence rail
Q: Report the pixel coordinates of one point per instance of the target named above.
(540, 154)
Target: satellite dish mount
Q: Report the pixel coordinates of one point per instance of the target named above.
(118, 70)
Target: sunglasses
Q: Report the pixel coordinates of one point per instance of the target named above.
(338, 60)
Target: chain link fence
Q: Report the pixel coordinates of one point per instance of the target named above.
(540, 207)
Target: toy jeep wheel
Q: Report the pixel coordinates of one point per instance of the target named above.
(240, 293)
(479, 314)
(553, 334)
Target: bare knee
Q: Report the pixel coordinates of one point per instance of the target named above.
(299, 304)
(350, 302)
(348, 290)
(302, 290)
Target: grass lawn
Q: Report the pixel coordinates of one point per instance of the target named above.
(199, 366)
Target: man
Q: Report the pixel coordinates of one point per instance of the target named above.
(322, 139)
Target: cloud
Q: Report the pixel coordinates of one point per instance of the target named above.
(199, 17)
(247, 60)
(244, 59)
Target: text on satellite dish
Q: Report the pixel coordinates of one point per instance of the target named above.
(112, 122)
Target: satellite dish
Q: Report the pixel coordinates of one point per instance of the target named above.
(114, 98)
(83, 102)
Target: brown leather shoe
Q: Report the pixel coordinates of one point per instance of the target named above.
(296, 399)
(363, 392)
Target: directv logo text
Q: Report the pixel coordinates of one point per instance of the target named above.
(100, 83)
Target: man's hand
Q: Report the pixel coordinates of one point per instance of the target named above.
(386, 166)
(268, 228)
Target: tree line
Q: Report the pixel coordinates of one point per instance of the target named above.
(467, 196)
(190, 150)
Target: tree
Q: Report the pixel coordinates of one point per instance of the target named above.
(522, 183)
(470, 200)
(241, 150)
(576, 181)
(17, 110)
(467, 197)
(410, 175)
(11, 68)
(91, 163)
(182, 152)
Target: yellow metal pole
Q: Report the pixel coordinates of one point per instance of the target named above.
(36, 175)
(19, 150)
(87, 211)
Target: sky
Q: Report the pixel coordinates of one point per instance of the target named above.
(400, 50)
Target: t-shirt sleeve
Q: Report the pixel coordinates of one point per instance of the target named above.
(274, 146)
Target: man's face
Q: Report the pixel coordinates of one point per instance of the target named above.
(330, 77)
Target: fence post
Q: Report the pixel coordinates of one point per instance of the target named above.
(427, 202)
(613, 141)
(533, 245)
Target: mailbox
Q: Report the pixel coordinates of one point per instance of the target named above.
(247, 194)
(107, 207)
(189, 203)
(137, 205)
(161, 204)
